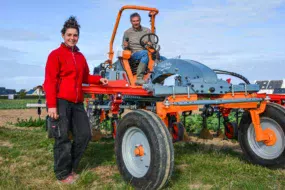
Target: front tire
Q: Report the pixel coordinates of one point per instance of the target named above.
(144, 150)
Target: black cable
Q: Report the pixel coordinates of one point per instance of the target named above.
(217, 71)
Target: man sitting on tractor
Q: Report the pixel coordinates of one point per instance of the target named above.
(131, 41)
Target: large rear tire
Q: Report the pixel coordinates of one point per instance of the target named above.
(144, 150)
(258, 152)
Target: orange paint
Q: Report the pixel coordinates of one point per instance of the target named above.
(139, 151)
(163, 110)
(102, 116)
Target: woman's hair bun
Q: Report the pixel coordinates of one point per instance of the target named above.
(70, 23)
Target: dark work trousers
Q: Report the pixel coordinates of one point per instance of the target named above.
(72, 117)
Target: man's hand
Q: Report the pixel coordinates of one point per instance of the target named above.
(104, 81)
(126, 44)
(52, 113)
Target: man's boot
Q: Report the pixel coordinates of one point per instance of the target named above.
(140, 74)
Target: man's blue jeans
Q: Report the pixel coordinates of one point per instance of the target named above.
(143, 56)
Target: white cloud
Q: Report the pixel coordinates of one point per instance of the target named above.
(21, 82)
(229, 13)
(9, 53)
(21, 35)
(10, 68)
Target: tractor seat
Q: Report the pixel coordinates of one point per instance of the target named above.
(126, 54)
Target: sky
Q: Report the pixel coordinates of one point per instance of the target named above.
(242, 36)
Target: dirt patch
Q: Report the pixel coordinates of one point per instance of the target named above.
(1, 160)
(5, 144)
(182, 167)
(105, 173)
(11, 115)
(217, 143)
(200, 186)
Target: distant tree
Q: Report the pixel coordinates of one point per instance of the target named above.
(21, 91)
(22, 94)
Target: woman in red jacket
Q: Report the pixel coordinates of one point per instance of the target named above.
(66, 70)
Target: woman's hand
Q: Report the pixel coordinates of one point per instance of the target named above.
(52, 113)
(104, 81)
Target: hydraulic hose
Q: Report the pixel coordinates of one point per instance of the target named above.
(218, 71)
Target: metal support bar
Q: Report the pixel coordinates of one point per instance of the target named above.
(36, 105)
(266, 135)
(217, 102)
(107, 107)
(188, 91)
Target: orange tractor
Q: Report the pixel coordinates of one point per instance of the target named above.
(144, 136)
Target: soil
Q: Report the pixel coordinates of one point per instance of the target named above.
(11, 115)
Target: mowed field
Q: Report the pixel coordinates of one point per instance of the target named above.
(26, 162)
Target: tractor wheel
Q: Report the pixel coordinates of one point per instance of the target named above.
(177, 132)
(258, 152)
(144, 150)
(231, 130)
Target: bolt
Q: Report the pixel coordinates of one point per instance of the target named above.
(212, 89)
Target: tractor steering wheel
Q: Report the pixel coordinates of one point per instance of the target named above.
(149, 40)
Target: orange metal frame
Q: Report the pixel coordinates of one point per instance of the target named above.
(123, 87)
(152, 13)
(126, 54)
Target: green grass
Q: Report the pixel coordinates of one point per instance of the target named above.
(17, 103)
(29, 122)
(26, 162)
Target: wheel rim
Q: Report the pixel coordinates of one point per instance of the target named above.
(260, 148)
(133, 139)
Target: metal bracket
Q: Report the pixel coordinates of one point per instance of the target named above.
(233, 91)
(188, 92)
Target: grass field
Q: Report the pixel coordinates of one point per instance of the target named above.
(26, 162)
(17, 103)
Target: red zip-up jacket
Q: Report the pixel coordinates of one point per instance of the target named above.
(66, 70)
